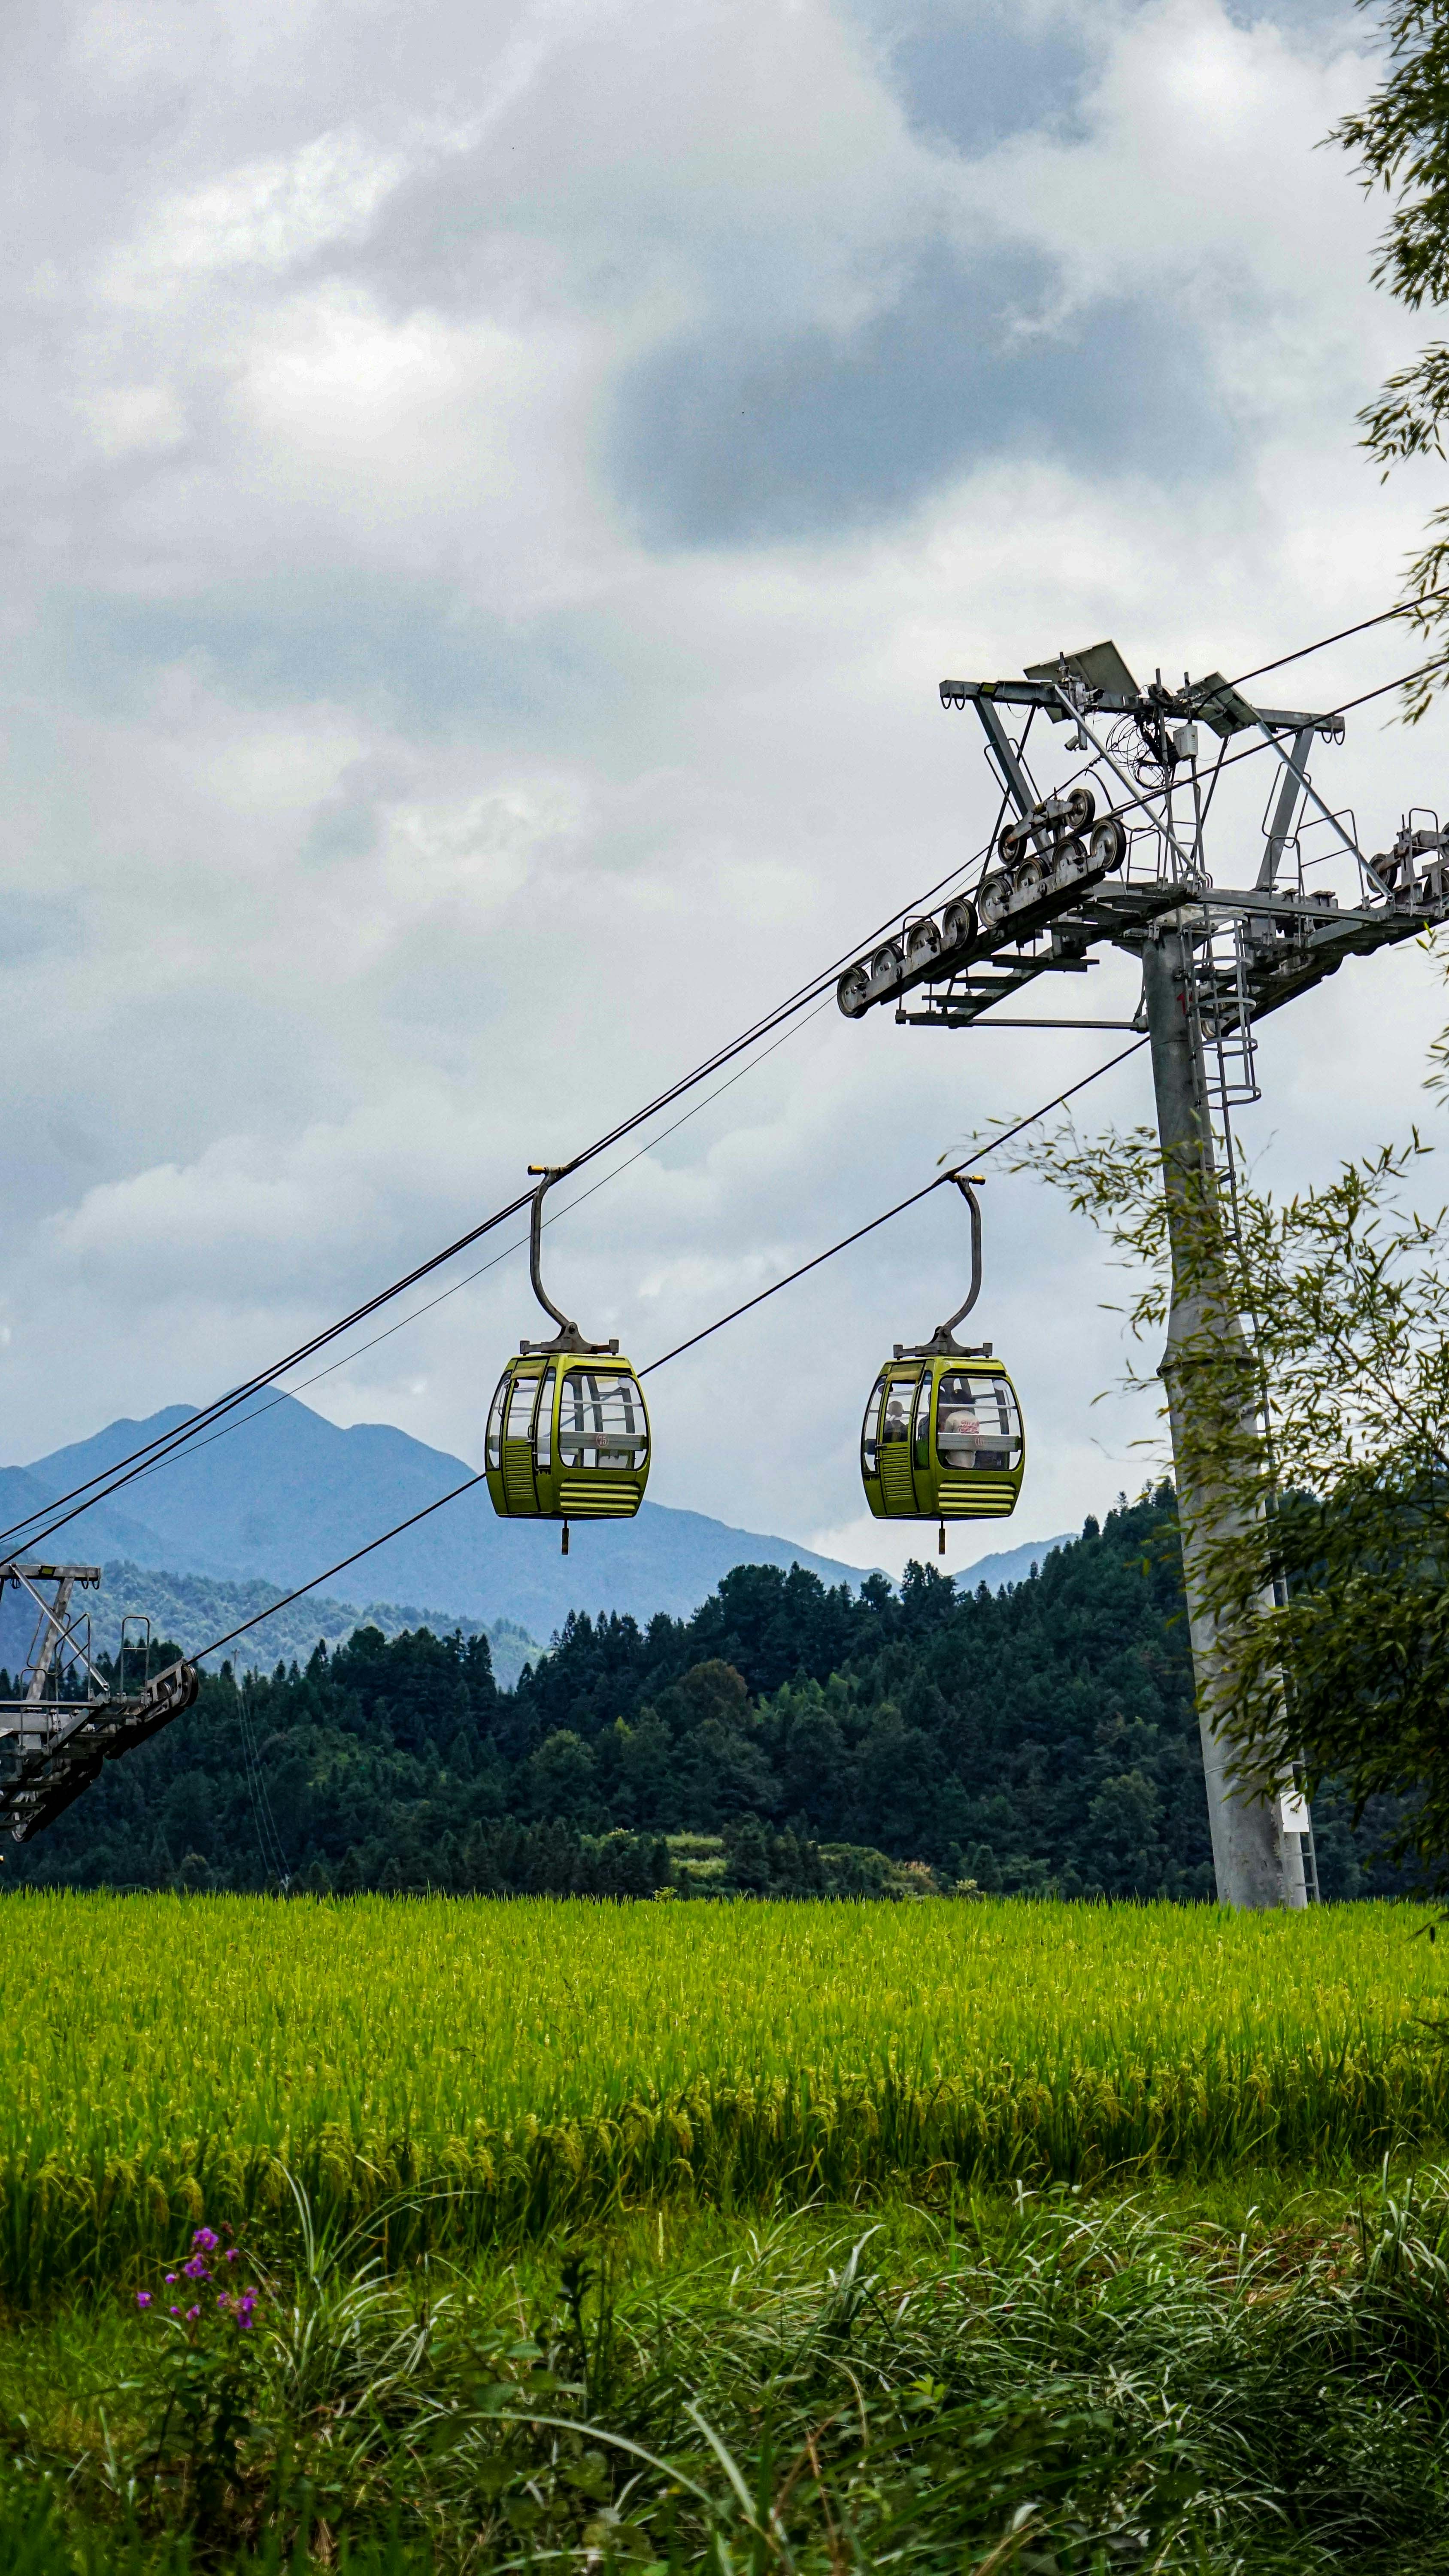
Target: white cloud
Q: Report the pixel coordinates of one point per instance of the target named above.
(266, 215)
(135, 420)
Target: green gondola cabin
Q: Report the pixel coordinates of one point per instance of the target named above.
(568, 1439)
(942, 1439)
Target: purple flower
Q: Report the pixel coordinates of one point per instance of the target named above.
(143, 2298)
(207, 2238)
(192, 2313)
(170, 2276)
(232, 2252)
(196, 2269)
(175, 2312)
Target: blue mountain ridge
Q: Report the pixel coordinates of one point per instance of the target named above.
(283, 1494)
(1010, 1564)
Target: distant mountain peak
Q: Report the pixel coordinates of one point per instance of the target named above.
(278, 1493)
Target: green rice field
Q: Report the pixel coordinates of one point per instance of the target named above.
(462, 2070)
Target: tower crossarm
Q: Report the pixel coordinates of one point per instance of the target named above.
(1186, 705)
(1064, 879)
(1292, 942)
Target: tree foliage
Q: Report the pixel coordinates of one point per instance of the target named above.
(789, 1739)
(1400, 141)
(1327, 1575)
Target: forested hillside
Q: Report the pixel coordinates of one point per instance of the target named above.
(1038, 1739)
(196, 1607)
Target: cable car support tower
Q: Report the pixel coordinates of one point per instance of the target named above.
(1117, 859)
(69, 1716)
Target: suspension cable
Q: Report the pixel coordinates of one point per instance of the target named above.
(899, 1210)
(1404, 608)
(518, 1244)
(340, 1567)
(155, 1452)
(98, 1487)
(470, 1482)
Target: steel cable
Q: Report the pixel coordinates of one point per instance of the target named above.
(470, 1482)
(519, 1244)
(1404, 608)
(152, 1454)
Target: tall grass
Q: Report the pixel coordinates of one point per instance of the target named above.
(1043, 2384)
(475, 2068)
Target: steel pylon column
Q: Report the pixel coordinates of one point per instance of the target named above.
(1255, 1863)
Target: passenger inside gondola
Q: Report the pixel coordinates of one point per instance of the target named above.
(976, 1423)
(601, 1422)
(897, 1413)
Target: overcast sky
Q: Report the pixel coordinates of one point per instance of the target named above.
(491, 492)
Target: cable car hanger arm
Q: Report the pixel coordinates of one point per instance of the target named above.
(943, 1344)
(551, 1172)
(568, 1337)
(968, 1186)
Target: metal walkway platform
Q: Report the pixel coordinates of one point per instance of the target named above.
(71, 1717)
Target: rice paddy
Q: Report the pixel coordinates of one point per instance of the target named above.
(460, 2072)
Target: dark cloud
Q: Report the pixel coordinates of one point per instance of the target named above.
(968, 75)
(719, 441)
(37, 925)
(1296, 17)
(394, 647)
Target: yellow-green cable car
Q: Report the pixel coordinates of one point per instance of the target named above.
(942, 1437)
(568, 1432)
